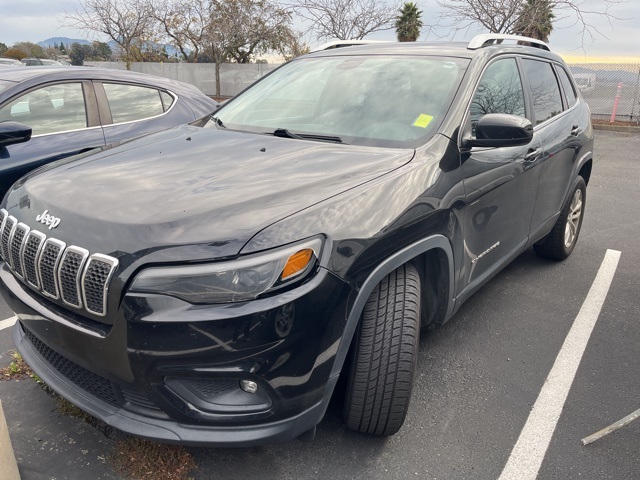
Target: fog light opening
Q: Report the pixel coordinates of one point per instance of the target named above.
(249, 386)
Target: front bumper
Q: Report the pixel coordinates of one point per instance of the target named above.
(139, 376)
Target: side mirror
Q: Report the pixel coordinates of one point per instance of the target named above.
(502, 130)
(14, 132)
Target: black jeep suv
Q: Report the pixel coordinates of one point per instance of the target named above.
(210, 284)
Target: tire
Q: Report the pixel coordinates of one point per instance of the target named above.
(560, 242)
(382, 367)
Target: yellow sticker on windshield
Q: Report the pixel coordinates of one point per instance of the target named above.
(423, 121)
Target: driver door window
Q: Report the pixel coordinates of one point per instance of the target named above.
(499, 91)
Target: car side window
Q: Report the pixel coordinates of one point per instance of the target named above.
(129, 103)
(567, 86)
(50, 109)
(545, 91)
(499, 91)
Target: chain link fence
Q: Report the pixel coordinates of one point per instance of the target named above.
(601, 84)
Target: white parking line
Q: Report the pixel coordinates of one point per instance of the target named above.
(9, 322)
(527, 455)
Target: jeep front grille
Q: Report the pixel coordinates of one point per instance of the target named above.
(59, 272)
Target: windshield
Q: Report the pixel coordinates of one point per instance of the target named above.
(390, 101)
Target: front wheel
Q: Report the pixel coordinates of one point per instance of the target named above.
(385, 352)
(560, 242)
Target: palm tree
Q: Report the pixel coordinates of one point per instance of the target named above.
(535, 20)
(408, 23)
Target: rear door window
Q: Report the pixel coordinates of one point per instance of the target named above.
(545, 91)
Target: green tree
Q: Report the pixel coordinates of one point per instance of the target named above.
(62, 48)
(408, 23)
(3, 48)
(535, 20)
(79, 52)
(101, 51)
(14, 53)
(30, 49)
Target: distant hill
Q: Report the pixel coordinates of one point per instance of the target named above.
(66, 41)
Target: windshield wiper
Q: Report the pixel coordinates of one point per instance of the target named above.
(284, 133)
(218, 121)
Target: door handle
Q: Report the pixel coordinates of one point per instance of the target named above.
(532, 155)
(576, 130)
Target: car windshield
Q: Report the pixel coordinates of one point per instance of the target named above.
(388, 101)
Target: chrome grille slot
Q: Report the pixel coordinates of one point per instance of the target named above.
(48, 264)
(69, 275)
(7, 229)
(3, 216)
(95, 283)
(30, 252)
(19, 233)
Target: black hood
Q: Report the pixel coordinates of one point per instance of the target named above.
(192, 185)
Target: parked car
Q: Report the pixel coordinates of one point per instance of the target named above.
(35, 62)
(10, 62)
(74, 110)
(211, 283)
(585, 81)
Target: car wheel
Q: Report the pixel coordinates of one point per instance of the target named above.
(560, 242)
(385, 352)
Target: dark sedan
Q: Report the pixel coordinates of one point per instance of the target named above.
(72, 110)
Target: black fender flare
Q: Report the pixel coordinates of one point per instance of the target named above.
(382, 270)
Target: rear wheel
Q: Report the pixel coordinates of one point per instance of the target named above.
(560, 242)
(381, 373)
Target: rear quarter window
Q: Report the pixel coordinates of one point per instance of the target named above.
(129, 103)
(567, 86)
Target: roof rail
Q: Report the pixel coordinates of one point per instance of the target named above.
(345, 43)
(488, 39)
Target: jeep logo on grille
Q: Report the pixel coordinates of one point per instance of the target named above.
(49, 220)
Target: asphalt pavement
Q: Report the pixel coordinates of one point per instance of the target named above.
(478, 376)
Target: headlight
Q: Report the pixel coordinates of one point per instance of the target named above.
(235, 281)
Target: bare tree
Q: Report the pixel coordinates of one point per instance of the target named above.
(293, 46)
(346, 19)
(502, 16)
(185, 23)
(240, 29)
(253, 27)
(127, 22)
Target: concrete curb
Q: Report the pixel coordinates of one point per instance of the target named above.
(617, 128)
(8, 465)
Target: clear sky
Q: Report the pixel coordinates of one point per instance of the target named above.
(37, 20)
